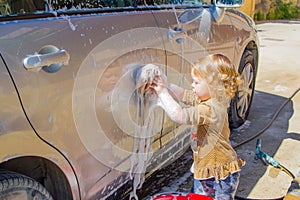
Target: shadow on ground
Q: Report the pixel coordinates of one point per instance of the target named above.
(176, 177)
(263, 109)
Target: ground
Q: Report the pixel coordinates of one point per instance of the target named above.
(278, 79)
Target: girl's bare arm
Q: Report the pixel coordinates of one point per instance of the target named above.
(167, 102)
(176, 91)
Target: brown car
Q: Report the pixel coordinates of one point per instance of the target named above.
(73, 124)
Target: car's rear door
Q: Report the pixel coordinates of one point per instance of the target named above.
(67, 63)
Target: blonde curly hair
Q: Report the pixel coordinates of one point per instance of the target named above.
(220, 74)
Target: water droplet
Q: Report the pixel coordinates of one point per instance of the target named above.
(49, 118)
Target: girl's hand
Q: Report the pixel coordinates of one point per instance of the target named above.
(158, 84)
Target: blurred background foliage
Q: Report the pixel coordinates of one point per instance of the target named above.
(277, 9)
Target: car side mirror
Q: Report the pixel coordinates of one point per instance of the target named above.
(217, 13)
(189, 16)
(219, 6)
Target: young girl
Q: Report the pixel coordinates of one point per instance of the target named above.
(216, 165)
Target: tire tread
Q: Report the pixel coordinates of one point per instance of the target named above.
(14, 180)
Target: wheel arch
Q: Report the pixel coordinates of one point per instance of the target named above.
(43, 171)
(253, 47)
(24, 153)
(250, 45)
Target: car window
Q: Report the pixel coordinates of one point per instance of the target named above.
(8, 7)
(62, 4)
(85, 4)
(11, 7)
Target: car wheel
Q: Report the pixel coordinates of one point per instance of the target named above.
(17, 186)
(241, 103)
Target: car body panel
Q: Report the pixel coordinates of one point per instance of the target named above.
(246, 33)
(49, 99)
(17, 137)
(86, 112)
(200, 36)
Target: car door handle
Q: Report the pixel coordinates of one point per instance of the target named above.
(176, 34)
(38, 61)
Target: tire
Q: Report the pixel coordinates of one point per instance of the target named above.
(241, 103)
(17, 186)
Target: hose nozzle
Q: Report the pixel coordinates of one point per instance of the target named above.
(268, 160)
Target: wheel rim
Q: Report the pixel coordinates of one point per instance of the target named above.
(245, 90)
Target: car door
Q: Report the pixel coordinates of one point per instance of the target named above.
(11, 114)
(190, 32)
(73, 69)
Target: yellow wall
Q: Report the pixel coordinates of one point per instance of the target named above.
(248, 7)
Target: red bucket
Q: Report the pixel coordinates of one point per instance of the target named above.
(178, 196)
